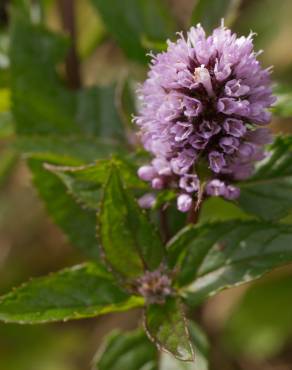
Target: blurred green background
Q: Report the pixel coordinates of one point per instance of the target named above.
(250, 327)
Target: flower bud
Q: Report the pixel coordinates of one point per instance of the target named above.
(184, 202)
(147, 200)
(146, 173)
(157, 183)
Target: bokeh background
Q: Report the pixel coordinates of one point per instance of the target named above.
(250, 327)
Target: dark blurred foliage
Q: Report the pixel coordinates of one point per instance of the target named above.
(250, 327)
(3, 13)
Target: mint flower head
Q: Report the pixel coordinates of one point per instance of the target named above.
(204, 104)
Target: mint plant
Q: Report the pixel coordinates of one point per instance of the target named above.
(137, 219)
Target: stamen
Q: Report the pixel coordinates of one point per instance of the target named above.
(202, 76)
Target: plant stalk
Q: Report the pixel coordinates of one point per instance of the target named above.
(67, 12)
(194, 213)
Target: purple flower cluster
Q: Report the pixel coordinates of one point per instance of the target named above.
(155, 286)
(204, 104)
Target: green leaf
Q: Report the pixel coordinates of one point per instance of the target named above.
(283, 105)
(85, 182)
(201, 348)
(219, 209)
(201, 343)
(268, 194)
(261, 323)
(131, 20)
(134, 351)
(166, 326)
(77, 292)
(79, 224)
(131, 351)
(70, 150)
(39, 106)
(47, 107)
(209, 13)
(211, 257)
(97, 113)
(176, 219)
(129, 241)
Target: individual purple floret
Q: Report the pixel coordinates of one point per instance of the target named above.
(203, 105)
